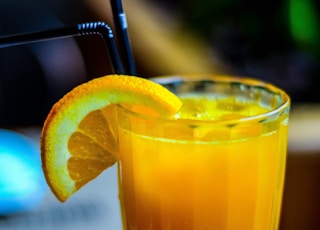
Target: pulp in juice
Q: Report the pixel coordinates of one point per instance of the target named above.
(193, 174)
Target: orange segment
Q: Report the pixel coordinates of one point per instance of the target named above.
(78, 140)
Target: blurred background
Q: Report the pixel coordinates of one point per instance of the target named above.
(276, 41)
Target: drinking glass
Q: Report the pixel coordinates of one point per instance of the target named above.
(219, 164)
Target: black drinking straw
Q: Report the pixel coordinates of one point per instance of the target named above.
(121, 26)
(89, 28)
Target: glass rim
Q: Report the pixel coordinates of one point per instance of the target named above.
(249, 81)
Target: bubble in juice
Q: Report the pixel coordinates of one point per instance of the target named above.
(219, 109)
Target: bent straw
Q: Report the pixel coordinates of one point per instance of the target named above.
(121, 26)
(88, 28)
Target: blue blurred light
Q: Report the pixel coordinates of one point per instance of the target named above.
(22, 185)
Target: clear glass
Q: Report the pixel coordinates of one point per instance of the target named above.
(222, 168)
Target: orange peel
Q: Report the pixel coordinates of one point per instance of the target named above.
(78, 142)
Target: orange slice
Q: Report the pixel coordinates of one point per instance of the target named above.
(78, 141)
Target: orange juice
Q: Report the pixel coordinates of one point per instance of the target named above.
(209, 167)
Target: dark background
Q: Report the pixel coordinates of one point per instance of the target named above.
(276, 41)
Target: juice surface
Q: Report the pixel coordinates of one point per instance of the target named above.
(201, 177)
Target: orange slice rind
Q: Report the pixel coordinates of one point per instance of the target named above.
(77, 141)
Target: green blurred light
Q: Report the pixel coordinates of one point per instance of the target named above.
(303, 22)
